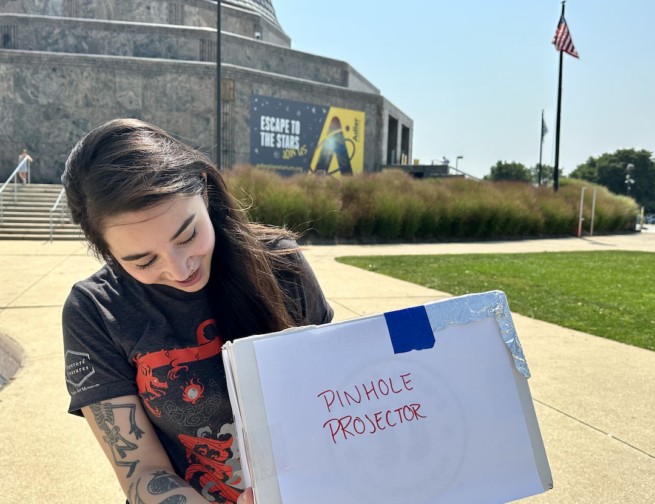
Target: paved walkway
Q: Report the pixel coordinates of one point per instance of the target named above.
(595, 398)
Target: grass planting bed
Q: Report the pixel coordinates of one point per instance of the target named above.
(609, 294)
(394, 206)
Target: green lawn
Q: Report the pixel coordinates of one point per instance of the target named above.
(609, 294)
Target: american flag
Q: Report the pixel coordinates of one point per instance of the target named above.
(563, 40)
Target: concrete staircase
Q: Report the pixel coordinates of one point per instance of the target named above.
(28, 218)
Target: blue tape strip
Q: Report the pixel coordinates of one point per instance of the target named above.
(410, 329)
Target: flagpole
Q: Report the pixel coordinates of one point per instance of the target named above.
(541, 143)
(559, 115)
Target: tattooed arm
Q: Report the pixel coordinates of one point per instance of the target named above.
(137, 456)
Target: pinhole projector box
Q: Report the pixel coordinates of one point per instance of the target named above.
(425, 405)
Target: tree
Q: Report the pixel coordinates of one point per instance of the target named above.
(586, 171)
(547, 172)
(609, 170)
(503, 170)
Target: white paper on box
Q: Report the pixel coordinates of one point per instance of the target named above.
(349, 420)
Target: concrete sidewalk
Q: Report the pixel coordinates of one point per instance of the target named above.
(595, 398)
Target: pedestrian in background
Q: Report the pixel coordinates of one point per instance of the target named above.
(22, 173)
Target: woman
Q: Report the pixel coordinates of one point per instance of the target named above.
(22, 173)
(185, 271)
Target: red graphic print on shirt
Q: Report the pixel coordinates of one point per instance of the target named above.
(192, 391)
(212, 463)
(150, 387)
(166, 380)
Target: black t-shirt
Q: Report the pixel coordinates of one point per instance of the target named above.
(122, 337)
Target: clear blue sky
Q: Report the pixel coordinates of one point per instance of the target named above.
(474, 75)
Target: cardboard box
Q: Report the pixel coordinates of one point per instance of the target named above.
(426, 405)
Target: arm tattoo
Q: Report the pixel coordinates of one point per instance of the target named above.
(137, 497)
(163, 482)
(174, 499)
(104, 417)
(129, 493)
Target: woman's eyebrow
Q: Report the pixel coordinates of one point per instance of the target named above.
(134, 257)
(184, 225)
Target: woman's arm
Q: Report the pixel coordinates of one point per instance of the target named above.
(137, 456)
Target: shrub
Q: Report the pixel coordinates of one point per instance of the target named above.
(324, 195)
(392, 205)
(358, 199)
(345, 224)
(412, 216)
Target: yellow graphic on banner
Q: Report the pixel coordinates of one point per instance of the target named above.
(340, 149)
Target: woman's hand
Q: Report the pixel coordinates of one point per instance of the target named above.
(246, 497)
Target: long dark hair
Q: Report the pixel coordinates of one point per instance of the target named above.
(128, 165)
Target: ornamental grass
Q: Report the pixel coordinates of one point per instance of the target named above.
(392, 205)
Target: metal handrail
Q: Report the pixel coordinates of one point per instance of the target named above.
(13, 176)
(457, 170)
(54, 207)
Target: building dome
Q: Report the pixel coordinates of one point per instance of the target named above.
(262, 7)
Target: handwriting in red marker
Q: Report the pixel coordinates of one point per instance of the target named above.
(350, 425)
(373, 390)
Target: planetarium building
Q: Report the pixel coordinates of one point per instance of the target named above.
(67, 66)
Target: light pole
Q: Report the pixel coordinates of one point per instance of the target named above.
(628, 179)
(457, 163)
(581, 206)
(219, 101)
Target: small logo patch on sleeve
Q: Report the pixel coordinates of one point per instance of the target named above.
(78, 369)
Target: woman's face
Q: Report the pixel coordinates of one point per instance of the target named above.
(168, 244)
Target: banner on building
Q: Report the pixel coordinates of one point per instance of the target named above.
(291, 137)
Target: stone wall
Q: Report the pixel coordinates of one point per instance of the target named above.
(111, 38)
(357, 82)
(142, 40)
(197, 13)
(49, 101)
(67, 66)
(284, 61)
(262, 7)
(245, 23)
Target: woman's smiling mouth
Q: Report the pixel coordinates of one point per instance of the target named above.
(193, 278)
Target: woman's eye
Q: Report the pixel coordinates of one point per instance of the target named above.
(144, 266)
(191, 238)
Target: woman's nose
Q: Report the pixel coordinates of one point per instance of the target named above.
(179, 268)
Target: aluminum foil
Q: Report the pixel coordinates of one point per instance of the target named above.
(475, 307)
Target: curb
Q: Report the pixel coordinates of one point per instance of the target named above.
(310, 238)
(11, 358)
